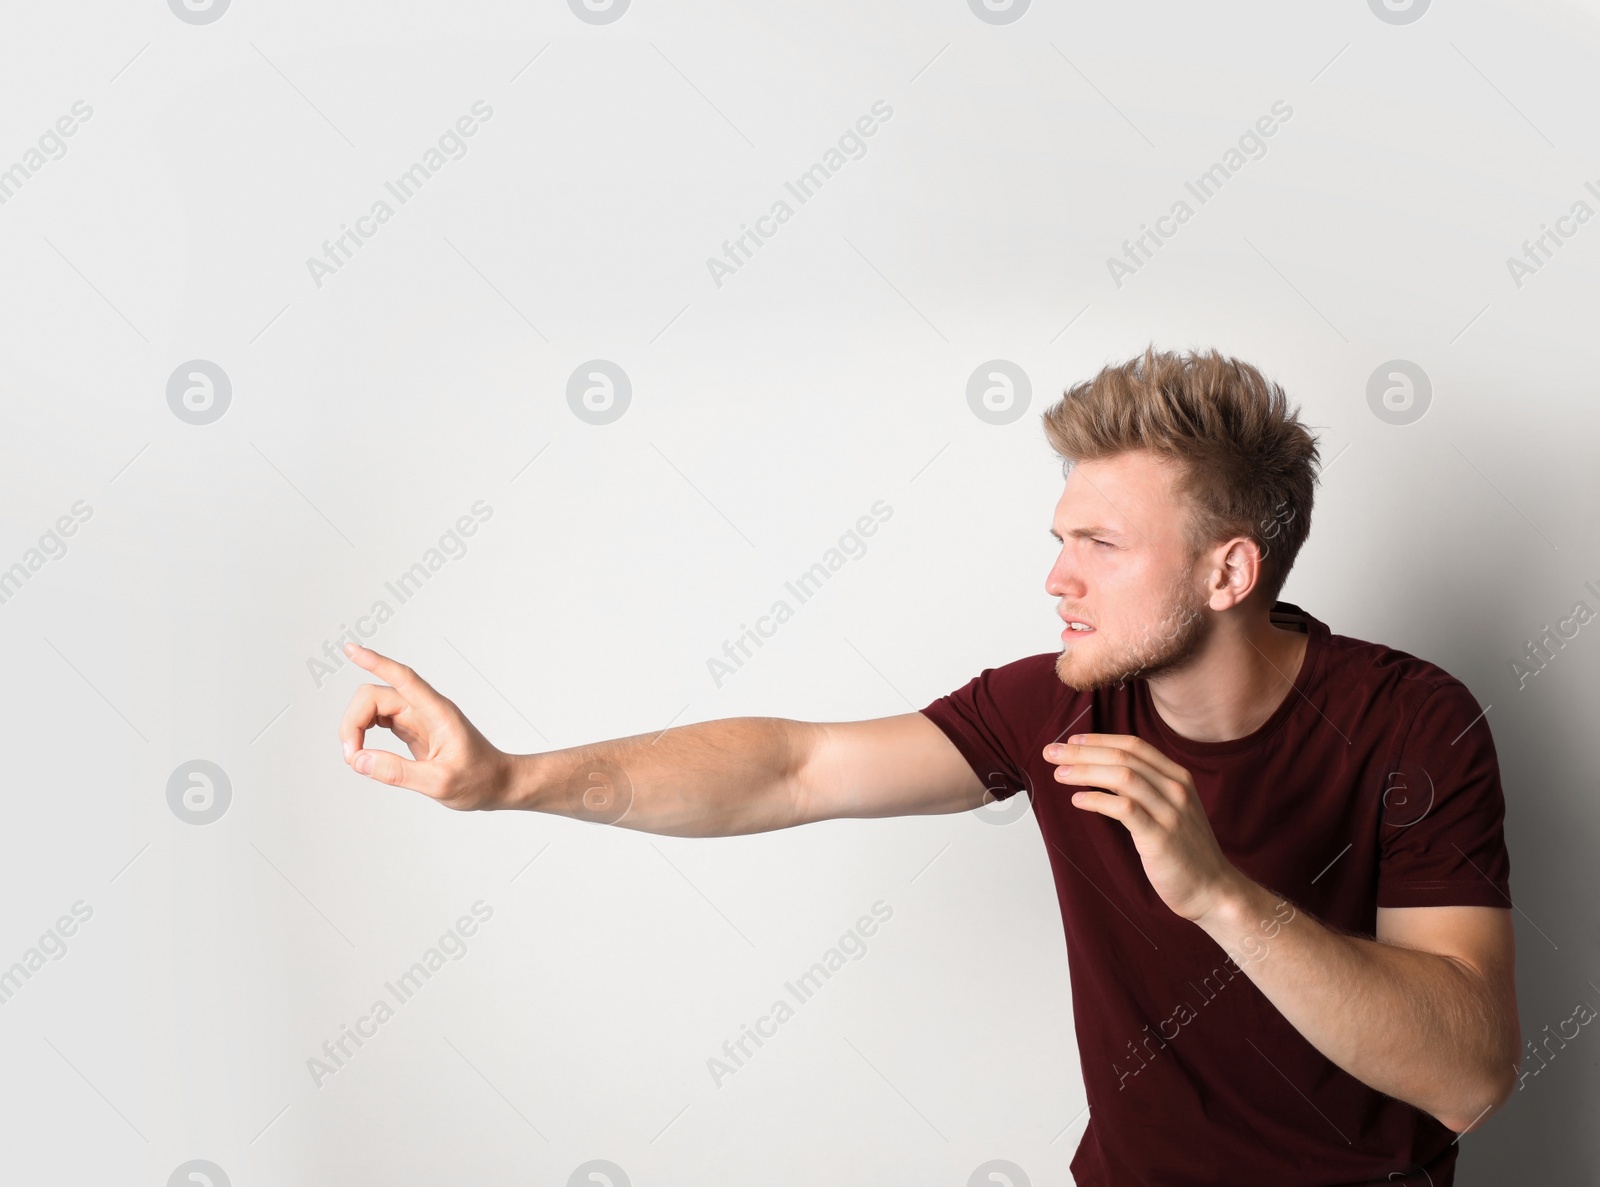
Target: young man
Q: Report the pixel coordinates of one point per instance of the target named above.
(1278, 851)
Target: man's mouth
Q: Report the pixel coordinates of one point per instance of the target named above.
(1076, 629)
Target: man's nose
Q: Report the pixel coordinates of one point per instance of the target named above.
(1062, 582)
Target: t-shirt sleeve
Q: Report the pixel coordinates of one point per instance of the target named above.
(994, 718)
(1441, 837)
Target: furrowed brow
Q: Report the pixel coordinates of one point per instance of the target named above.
(1084, 533)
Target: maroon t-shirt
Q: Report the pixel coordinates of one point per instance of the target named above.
(1374, 784)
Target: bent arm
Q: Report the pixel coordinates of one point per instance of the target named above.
(741, 775)
(1425, 1012)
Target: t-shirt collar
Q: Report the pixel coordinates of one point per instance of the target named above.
(1310, 671)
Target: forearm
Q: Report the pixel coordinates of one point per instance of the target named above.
(715, 778)
(1416, 1026)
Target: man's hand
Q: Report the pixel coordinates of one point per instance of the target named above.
(1428, 1017)
(450, 760)
(1155, 799)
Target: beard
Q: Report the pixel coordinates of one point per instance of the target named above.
(1164, 646)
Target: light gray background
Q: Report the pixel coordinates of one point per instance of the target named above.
(767, 416)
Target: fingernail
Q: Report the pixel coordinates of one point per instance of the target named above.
(364, 762)
(349, 648)
(1052, 751)
(347, 750)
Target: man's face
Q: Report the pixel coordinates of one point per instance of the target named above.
(1127, 572)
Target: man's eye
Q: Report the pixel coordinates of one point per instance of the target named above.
(1104, 543)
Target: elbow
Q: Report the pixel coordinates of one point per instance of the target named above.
(1495, 1074)
(1489, 1097)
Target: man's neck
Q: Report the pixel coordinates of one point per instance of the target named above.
(1234, 683)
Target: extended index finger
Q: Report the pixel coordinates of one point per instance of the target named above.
(416, 689)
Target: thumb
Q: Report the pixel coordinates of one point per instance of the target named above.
(387, 767)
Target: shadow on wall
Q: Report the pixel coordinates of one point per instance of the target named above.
(1546, 1128)
(1545, 1132)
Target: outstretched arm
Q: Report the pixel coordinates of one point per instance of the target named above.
(714, 778)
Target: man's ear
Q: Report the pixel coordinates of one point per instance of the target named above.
(1235, 572)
